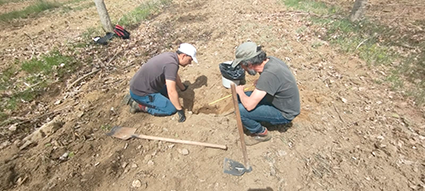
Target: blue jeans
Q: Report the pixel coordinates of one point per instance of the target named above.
(265, 112)
(157, 103)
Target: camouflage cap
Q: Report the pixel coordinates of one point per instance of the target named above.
(245, 51)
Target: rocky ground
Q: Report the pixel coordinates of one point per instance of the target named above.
(352, 134)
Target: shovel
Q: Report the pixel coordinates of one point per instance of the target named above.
(126, 133)
(230, 166)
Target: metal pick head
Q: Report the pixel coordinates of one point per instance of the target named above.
(234, 168)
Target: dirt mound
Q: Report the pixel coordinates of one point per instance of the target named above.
(352, 134)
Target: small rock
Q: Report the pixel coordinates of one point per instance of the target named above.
(136, 184)
(282, 153)
(124, 165)
(395, 115)
(150, 162)
(64, 156)
(80, 114)
(5, 144)
(12, 128)
(184, 151)
(134, 166)
(21, 180)
(148, 157)
(58, 102)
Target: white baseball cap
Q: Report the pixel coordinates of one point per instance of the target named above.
(188, 49)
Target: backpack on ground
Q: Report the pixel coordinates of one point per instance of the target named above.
(121, 32)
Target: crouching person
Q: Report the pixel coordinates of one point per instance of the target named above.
(275, 99)
(153, 89)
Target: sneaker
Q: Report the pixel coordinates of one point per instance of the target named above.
(258, 138)
(136, 107)
(127, 100)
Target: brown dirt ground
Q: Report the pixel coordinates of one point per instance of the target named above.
(352, 134)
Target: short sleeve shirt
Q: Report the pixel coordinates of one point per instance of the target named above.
(281, 87)
(150, 78)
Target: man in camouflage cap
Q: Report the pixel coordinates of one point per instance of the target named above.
(275, 99)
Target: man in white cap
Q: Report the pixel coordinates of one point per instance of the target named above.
(275, 99)
(153, 89)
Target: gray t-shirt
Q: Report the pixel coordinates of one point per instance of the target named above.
(150, 78)
(282, 90)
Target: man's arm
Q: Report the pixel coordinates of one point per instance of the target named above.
(179, 83)
(250, 102)
(172, 94)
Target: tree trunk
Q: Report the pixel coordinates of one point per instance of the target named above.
(104, 16)
(357, 13)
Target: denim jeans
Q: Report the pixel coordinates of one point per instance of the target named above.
(265, 112)
(157, 103)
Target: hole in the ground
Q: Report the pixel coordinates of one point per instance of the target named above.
(221, 108)
(207, 109)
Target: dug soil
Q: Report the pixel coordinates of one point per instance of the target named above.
(352, 133)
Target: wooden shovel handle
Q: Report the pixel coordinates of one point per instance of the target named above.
(224, 147)
(240, 127)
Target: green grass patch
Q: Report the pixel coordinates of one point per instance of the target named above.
(310, 6)
(29, 11)
(106, 127)
(68, 7)
(6, 78)
(317, 44)
(142, 12)
(46, 64)
(363, 38)
(132, 18)
(372, 42)
(90, 32)
(37, 74)
(2, 2)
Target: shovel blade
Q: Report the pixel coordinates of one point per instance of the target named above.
(121, 132)
(234, 168)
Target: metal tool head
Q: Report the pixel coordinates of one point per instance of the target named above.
(121, 132)
(234, 168)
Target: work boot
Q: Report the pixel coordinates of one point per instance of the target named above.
(127, 100)
(136, 107)
(258, 138)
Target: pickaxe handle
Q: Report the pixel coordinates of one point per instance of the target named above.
(224, 147)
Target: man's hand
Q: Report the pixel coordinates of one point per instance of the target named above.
(240, 89)
(182, 117)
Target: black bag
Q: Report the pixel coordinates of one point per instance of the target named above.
(237, 73)
(121, 32)
(103, 40)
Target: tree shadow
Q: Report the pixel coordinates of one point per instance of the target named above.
(189, 95)
(260, 189)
